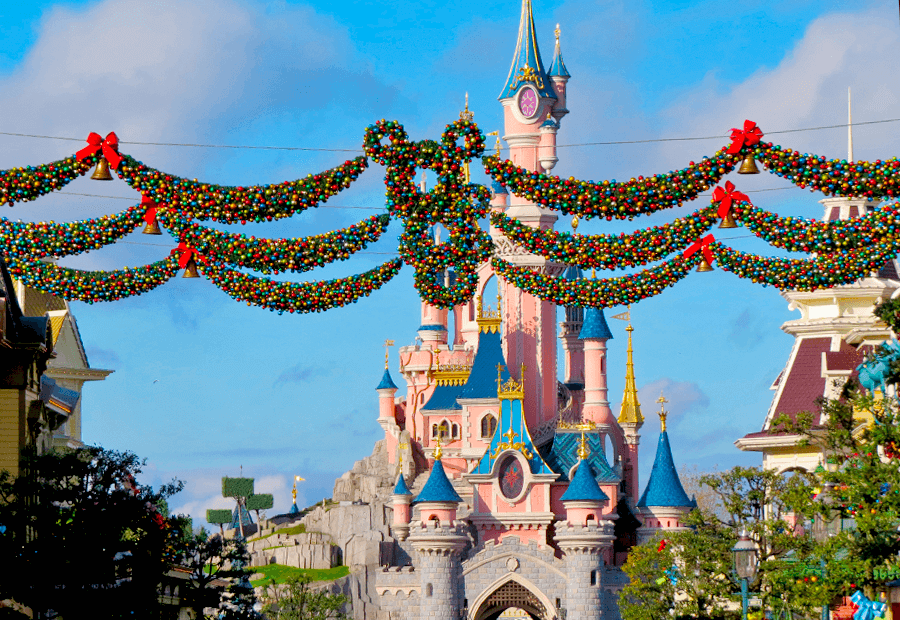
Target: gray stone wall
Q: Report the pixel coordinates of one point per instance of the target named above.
(439, 594)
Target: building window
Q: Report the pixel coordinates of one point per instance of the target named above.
(428, 590)
(593, 577)
(455, 431)
(488, 426)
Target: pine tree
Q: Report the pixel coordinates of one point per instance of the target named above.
(238, 602)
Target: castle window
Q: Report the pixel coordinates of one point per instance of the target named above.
(591, 518)
(488, 426)
(593, 577)
(455, 432)
(428, 589)
(511, 477)
(441, 430)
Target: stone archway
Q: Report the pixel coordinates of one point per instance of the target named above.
(512, 594)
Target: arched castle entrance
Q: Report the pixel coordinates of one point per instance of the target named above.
(512, 595)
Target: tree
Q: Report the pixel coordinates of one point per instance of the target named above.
(238, 602)
(81, 534)
(260, 501)
(296, 600)
(205, 557)
(239, 489)
(219, 516)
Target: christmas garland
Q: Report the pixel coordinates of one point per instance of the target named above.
(24, 184)
(43, 239)
(277, 255)
(93, 286)
(600, 293)
(228, 205)
(297, 297)
(453, 202)
(608, 251)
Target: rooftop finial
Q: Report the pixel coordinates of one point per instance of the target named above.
(574, 224)
(849, 128)
(438, 451)
(663, 414)
(488, 320)
(497, 146)
(387, 347)
(583, 450)
(631, 407)
(466, 115)
(556, 32)
(294, 490)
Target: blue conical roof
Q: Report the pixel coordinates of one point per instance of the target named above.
(294, 510)
(664, 487)
(482, 381)
(498, 188)
(438, 488)
(558, 67)
(401, 488)
(594, 325)
(584, 487)
(527, 60)
(386, 381)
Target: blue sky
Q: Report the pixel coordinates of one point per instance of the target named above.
(204, 385)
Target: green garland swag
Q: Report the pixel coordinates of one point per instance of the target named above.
(298, 297)
(93, 286)
(43, 239)
(24, 184)
(277, 255)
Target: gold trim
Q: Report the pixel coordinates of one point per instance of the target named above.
(512, 389)
(488, 319)
(509, 444)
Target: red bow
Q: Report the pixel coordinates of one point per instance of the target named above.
(662, 545)
(150, 214)
(748, 136)
(703, 246)
(726, 197)
(186, 254)
(109, 147)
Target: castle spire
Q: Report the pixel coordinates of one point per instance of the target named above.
(631, 408)
(527, 65)
(558, 67)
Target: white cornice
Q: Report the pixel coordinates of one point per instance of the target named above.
(760, 444)
(84, 374)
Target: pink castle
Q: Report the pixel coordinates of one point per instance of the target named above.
(526, 486)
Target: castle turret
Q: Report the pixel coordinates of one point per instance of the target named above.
(573, 346)
(584, 541)
(594, 334)
(664, 504)
(559, 76)
(386, 417)
(400, 500)
(630, 419)
(438, 540)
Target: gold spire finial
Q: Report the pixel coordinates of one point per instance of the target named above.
(496, 133)
(663, 414)
(387, 347)
(631, 407)
(294, 490)
(466, 115)
(556, 32)
(583, 450)
(574, 224)
(438, 451)
(512, 389)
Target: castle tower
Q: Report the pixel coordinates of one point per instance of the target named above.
(528, 97)
(386, 419)
(573, 347)
(664, 504)
(594, 334)
(584, 541)
(400, 500)
(438, 540)
(630, 418)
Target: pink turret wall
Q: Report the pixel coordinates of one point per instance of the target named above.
(402, 510)
(574, 358)
(596, 397)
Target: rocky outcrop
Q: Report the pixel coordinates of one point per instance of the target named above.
(312, 550)
(370, 478)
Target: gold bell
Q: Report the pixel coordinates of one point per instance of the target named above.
(704, 266)
(727, 221)
(153, 228)
(190, 270)
(748, 166)
(101, 172)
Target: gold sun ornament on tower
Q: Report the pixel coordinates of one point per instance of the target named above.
(663, 414)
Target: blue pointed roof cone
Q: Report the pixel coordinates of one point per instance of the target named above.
(584, 487)
(664, 487)
(438, 487)
(294, 510)
(401, 488)
(594, 326)
(558, 67)
(527, 65)
(386, 381)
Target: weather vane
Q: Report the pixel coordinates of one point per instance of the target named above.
(662, 410)
(387, 347)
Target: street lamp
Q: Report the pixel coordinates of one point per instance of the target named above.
(745, 564)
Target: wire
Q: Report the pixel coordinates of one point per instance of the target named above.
(133, 200)
(305, 148)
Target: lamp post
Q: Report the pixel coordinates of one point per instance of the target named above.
(745, 566)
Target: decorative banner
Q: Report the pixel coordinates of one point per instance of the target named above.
(608, 251)
(229, 205)
(42, 239)
(298, 297)
(93, 286)
(278, 255)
